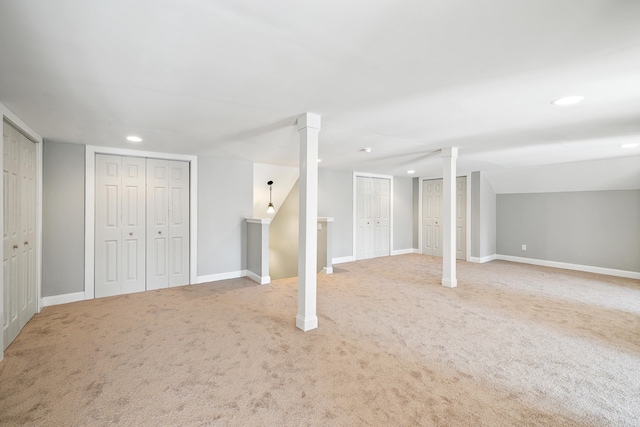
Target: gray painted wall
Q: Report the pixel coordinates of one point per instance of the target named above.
(402, 213)
(474, 187)
(335, 199)
(487, 217)
(225, 199)
(594, 228)
(483, 216)
(62, 218)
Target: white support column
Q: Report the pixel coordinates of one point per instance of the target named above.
(308, 127)
(449, 157)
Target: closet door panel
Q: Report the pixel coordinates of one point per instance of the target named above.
(178, 267)
(133, 224)
(157, 223)
(108, 236)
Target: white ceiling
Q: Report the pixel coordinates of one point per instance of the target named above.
(407, 78)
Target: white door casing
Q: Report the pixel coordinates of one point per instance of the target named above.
(19, 236)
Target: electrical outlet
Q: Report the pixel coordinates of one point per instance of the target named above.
(524, 247)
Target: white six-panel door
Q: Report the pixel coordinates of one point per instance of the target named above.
(19, 178)
(381, 211)
(364, 218)
(432, 217)
(167, 223)
(178, 223)
(142, 224)
(120, 225)
(372, 217)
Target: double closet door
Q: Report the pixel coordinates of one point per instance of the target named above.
(432, 217)
(372, 217)
(142, 224)
(19, 240)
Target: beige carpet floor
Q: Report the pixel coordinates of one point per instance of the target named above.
(513, 345)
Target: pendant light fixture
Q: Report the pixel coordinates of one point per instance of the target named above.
(270, 208)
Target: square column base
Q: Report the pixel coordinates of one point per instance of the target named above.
(449, 283)
(306, 324)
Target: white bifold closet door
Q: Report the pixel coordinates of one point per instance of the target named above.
(142, 224)
(372, 217)
(19, 240)
(432, 217)
(120, 225)
(167, 223)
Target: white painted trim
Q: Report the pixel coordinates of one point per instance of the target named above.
(258, 220)
(306, 324)
(89, 219)
(355, 218)
(39, 173)
(325, 219)
(568, 266)
(342, 260)
(63, 299)
(483, 259)
(467, 255)
(221, 276)
(263, 280)
(326, 270)
(405, 251)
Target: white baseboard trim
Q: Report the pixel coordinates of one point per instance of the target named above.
(568, 266)
(263, 280)
(404, 251)
(481, 260)
(62, 299)
(343, 259)
(326, 270)
(221, 276)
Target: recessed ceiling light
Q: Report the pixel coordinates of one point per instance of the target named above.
(133, 138)
(411, 171)
(630, 145)
(568, 100)
(367, 150)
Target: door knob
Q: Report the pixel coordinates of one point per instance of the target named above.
(131, 233)
(15, 246)
(159, 232)
(26, 243)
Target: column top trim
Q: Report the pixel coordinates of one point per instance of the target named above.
(450, 152)
(258, 220)
(309, 120)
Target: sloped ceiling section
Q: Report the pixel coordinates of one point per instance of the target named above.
(407, 78)
(595, 175)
